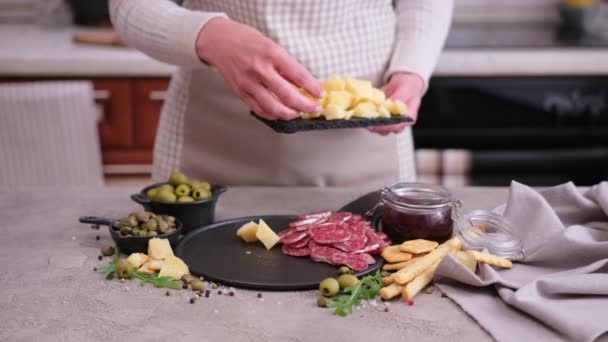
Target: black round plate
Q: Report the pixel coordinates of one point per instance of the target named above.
(216, 253)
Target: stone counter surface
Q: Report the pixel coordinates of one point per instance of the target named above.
(36, 51)
(49, 291)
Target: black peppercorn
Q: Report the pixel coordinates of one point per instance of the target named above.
(97, 237)
(207, 294)
(94, 269)
(231, 293)
(219, 292)
(167, 293)
(259, 295)
(185, 286)
(100, 258)
(192, 300)
(385, 309)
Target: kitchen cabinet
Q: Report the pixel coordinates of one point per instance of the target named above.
(128, 110)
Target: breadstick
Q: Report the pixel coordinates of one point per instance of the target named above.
(491, 259)
(397, 266)
(387, 280)
(393, 290)
(393, 254)
(426, 261)
(418, 283)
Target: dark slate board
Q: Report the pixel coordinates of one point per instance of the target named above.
(216, 253)
(297, 125)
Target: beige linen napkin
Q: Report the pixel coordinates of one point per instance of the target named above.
(560, 290)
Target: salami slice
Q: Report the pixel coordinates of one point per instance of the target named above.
(329, 234)
(302, 243)
(357, 240)
(299, 252)
(323, 254)
(283, 233)
(370, 259)
(319, 214)
(356, 262)
(306, 222)
(295, 237)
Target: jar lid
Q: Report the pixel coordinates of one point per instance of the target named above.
(418, 195)
(486, 229)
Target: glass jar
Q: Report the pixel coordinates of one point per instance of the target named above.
(486, 229)
(417, 211)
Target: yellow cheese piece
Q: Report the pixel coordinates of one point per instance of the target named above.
(383, 112)
(247, 232)
(145, 269)
(268, 237)
(137, 259)
(377, 96)
(397, 107)
(341, 99)
(159, 249)
(173, 267)
(334, 112)
(155, 265)
(360, 89)
(365, 110)
(467, 259)
(334, 83)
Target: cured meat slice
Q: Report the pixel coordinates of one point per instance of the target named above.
(299, 252)
(295, 237)
(323, 254)
(357, 240)
(319, 214)
(305, 222)
(283, 233)
(301, 243)
(370, 259)
(329, 234)
(356, 262)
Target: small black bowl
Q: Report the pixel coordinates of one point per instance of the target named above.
(191, 214)
(133, 244)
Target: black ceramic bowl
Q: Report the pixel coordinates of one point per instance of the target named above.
(133, 244)
(191, 214)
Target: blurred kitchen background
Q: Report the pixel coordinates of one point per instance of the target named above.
(520, 92)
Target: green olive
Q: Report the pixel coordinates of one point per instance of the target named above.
(329, 287)
(184, 199)
(322, 302)
(345, 270)
(167, 187)
(107, 250)
(166, 196)
(201, 194)
(182, 190)
(178, 178)
(124, 269)
(152, 193)
(203, 185)
(197, 285)
(347, 280)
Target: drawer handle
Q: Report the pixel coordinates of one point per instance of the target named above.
(158, 95)
(102, 95)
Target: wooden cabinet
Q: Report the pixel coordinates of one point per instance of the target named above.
(128, 110)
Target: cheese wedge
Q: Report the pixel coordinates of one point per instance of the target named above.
(159, 249)
(248, 231)
(173, 267)
(137, 259)
(268, 237)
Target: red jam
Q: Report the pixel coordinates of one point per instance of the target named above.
(417, 211)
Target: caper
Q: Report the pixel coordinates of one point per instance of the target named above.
(133, 221)
(187, 278)
(152, 233)
(347, 280)
(184, 199)
(166, 196)
(329, 287)
(107, 250)
(178, 178)
(170, 230)
(322, 302)
(152, 193)
(345, 270)
(151, 224)
(124, 269)
(170, 219)
(125, 223)
(162, 225)
(143, 216)
(201, 194)
(197, 285)
(182, 190)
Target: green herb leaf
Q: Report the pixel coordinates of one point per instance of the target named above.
(367, 288)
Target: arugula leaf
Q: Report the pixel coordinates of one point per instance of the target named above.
(144, 278)
(367, 288)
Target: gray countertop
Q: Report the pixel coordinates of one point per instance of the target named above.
(35, 51)
(50, 292)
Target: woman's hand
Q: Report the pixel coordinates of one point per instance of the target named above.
(408, 88)
(259, 71)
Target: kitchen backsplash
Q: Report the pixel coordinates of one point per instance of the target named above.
(466, 10)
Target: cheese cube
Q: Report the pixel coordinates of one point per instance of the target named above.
(397, 107)
(341, 99)
(377, 96)
(334, 83)
(467, 259)
(247, 232)
(137, 259)
(383, 111)
(365, 110)
(333, 112)
(159, 249)
(173, 267)
(360, 89)
(155, 265)
(268, 237)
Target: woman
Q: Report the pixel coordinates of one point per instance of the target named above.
(233, 53)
